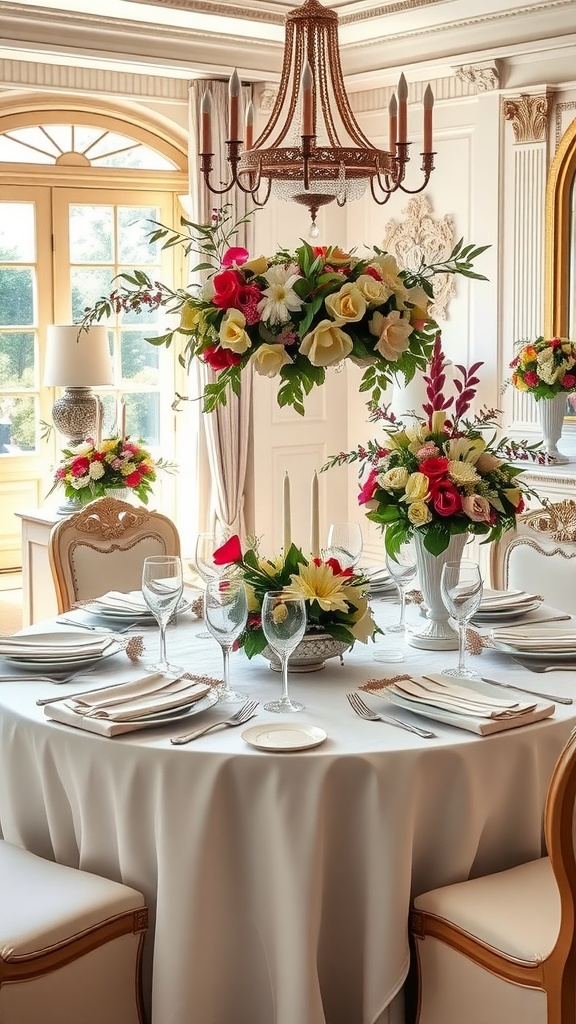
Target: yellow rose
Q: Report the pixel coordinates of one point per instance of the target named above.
(416, 487)
(419, 514)
(189, 316)
(347, 305)
(232, 333)
(395, 479)
(420, 303)
(375, 292)
(257, 266)
(268, 360)
(326, 344)
(392, 333)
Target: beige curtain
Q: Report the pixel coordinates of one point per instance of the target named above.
(226, 431)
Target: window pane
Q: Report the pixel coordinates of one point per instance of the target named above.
(38, 139)
(143, 416)
(140, 156)
(17, 153)
(17, 233)
(140, 360)
(16, 296)
(88, 285)
(91, 234)
(17, 425)
(16, 360)
(134, 226)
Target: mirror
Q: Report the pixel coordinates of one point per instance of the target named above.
(560, 258)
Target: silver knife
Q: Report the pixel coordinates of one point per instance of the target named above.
(533, 693)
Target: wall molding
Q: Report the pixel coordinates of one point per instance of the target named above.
(59, 77)
(529, 116)
(485, 76)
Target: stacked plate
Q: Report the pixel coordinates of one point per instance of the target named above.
(551, 643)
(505, 605)
(381, 582)
(55, 653)
(130, 607)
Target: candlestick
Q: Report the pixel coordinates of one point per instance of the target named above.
(286, 524)
(402, 109)
(249, 124)
(428, 103)
(233, 94)
(206, 117)
(314, 519)
(307, 85)
(392, 124)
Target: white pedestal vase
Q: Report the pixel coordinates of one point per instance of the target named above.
(551, 412)
(438, 634)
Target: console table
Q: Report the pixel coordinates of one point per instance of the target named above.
(553, 482)
(38, 593)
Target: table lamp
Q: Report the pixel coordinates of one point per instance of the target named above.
(77, 361)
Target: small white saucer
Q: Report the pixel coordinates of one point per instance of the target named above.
(279, 736)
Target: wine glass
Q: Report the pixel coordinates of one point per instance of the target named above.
(402, 567)
(206, 545)
(226, 614)
(284, 624)
(162, 589)
(461, 588)
(344, 544)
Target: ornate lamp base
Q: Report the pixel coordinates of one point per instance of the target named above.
(74, 414)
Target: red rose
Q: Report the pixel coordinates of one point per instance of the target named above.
(568, 380)
(367, 491)
(445, 498)
(133, 479)
(226, 287)
(434, 468)
(555, 343)
(80, 466)
(229, 552)
(531, 379)
(219, 358)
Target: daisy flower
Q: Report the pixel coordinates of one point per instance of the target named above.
(279, 299)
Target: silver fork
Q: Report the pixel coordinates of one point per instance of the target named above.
(244, 714)
(363, 711)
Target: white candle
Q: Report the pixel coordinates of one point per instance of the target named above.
(123, 419)
(392, 124)
(402, 109)
(249, 125)
(307, 87)
(206, 119)
(233, 95)
(286, 525)
(428, 105)
(314, 519)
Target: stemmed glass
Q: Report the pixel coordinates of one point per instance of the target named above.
(226, 614)
(206, 545)
(402, 567)
(284, 624)
(461, 588)
(344, 544)
(162, 589)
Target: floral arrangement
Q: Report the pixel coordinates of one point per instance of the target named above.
(290, 315)
(90, 470)
(545, 368)
(336, 601)
(440, 476)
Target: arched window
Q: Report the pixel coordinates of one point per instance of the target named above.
(78, 192)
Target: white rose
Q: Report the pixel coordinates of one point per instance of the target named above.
(326, 344)
(392, 332)
(348, 305)
(268, 360)
(232, 333)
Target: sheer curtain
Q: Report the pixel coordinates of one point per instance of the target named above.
(226, 431)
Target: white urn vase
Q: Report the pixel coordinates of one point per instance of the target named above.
(551, 412)
(438, 634)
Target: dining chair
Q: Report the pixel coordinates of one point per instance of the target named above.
(70, 944)
(501, 949)
(539, 556)
(103, 546)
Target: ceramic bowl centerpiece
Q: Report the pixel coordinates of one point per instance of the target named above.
(337, 609)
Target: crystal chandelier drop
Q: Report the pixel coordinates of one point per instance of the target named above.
(312, 150)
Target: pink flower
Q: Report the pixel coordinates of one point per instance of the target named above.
(367, 491)
(249, 296)
(226, 288)
(235, 255)
(531, 378)
(427, 451)
(60, 473)
(116, 463)
(80, 466)
(476, 508)
(229, 552)
(133, 479)
(568, 380)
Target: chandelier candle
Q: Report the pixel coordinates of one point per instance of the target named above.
(286, 524)
(314, 519)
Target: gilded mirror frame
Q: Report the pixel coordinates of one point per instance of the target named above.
(557, 253)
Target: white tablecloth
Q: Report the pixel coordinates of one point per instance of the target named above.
(279, 884)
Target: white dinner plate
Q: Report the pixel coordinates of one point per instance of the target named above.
(506, 614)
(518, 652)
(60, 660)
(175, 714)
(128, 615)
(280, 736)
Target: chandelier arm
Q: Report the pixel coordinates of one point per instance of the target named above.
(328, 118)
(426, 168)
(387, 192)
(262, 202)
(283, 90)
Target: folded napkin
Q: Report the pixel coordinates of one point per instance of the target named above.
(478, 708)
(126, 707)
(114, 600)
(51, 647)
(505, 600)
(548, 639)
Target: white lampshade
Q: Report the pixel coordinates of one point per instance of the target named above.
(77, 359)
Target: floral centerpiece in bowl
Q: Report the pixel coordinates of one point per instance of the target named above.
(546, 369)
(291, 315)
(439, 480)
(336, 599)
(91, 470)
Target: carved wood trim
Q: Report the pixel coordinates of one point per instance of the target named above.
(558, 521)
(485, 77)
(112, 518)
(529, 117)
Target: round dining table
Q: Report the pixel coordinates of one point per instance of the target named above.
(279, 883)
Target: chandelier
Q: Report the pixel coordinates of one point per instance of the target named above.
(312, 150)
